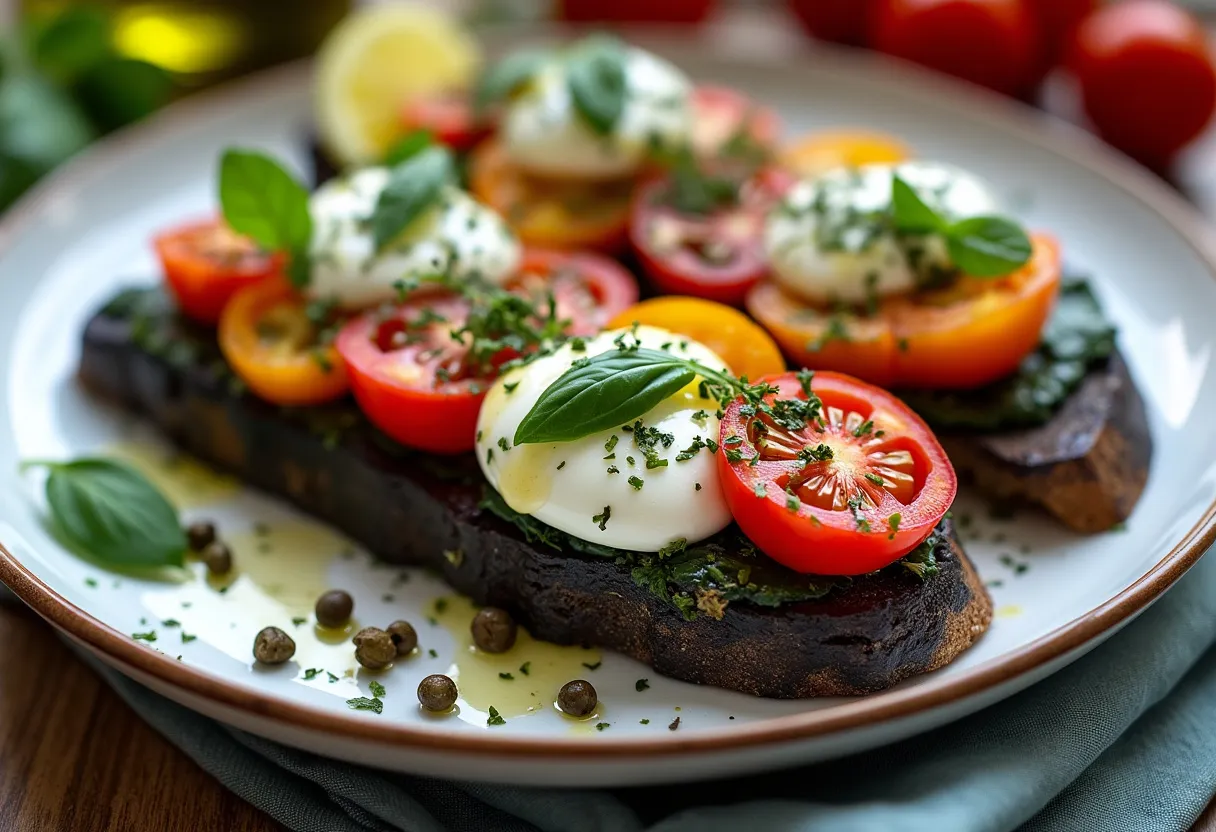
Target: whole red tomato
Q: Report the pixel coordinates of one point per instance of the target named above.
(993, 43)
(1057, 21)
(635, 11)
(1146, 77)
(840, 21)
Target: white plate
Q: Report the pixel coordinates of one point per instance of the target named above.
(84, 233)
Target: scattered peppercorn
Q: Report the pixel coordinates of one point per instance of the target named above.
(577, 698)
(218, 557)
(200, 535)
(675, 723)
(405, 639)
(374, 648)
(494, 630)
(334, 608)
(437, 692)
(273, 646)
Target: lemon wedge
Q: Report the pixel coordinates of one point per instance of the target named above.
(374, 61)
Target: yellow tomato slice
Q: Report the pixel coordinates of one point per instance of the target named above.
(819, 152)
(745, 347)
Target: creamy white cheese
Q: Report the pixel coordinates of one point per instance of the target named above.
(458, 236)
(830, 241)
(544, 134)
(573, 485)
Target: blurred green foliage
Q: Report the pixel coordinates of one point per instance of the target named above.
(62, 84)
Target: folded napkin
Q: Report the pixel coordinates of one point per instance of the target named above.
(1124, 739)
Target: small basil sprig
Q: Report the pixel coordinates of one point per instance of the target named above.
(983, 246)
(507, 77)
(413, 186)
(263, 201)
(110, 511)
(612, 389)
(595, 74)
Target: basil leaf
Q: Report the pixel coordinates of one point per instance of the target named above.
(113, 513)
(911, 213)
(610, 390)
(507, 77)
(260, 199)
(409, 146)
(413, 187)
(71, 43)
(987, 246)
(595, 73)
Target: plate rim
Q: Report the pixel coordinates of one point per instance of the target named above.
(1052, 135)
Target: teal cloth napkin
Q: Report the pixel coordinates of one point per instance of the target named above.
(1122, 740)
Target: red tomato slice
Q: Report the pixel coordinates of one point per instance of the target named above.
(590, 289)
(206, 263)
(856, 489)
(448, 117)
(412, 378)
(717, 256)
(720, 114)
(408, 373)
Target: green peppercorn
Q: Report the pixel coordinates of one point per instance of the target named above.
(217, 557)
(577, 698)
(437, 693)
(200, 534)
(334, 608)
(374, 648)
(404, 637)
(273, 646)
(494, 630)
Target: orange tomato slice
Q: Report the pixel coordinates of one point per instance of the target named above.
(971, 334)
(819, 152)
(551, 213)
(746, 348)
(269, 341)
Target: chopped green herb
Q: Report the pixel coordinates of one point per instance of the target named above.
(149, 636)
(187, 638)
(893, 525)
(506, 677)
(525, 668)
(298, 620)
(510, 386)
(433, 653)
(602, 518)
(561, 465)
(612, 469)
(641, 685)
(495, 717)
(865, 428)
(312, 673)
(874, 478)
(362, 703)
(792, 503)
(503, 444)
(611, 443)
(595, 666)
(91, 583)
(760, 490)
(637, 482)
(441, 604)
(643, 721)
(333, 677)
(377, 689)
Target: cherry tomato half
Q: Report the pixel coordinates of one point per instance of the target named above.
(590, 290)
(269, 340)
(206, 263)
(988, 42)
(720, 115)
(415, 381)
(851, 492)
(838, 21)
(817, 153)
(551, 213)
(971, 334)
(1146, 77)
(717, 256)
(448, 117)
(745, 347)
(409, 374)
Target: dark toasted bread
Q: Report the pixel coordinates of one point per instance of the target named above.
(858, 636)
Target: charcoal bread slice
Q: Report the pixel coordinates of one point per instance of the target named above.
(1087, 466)
(855, 636)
